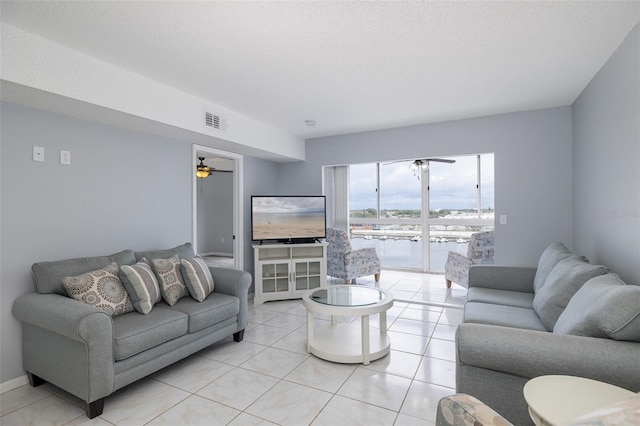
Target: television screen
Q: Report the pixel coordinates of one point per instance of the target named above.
(288, 218)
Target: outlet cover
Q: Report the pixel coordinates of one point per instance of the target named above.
(65, 157)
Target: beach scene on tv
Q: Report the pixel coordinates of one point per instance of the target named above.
(276, 218)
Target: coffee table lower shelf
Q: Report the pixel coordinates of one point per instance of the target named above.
(342, 343)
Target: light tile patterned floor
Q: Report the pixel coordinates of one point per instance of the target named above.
(268, 378)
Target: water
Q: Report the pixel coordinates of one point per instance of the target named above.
(404, 253)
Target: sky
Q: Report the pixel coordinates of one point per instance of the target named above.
(452, 186)
(303, 204)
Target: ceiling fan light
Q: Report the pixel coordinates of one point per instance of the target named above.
(414, 166)
(202, 173)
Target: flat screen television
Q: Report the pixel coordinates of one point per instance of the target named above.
(288, 218)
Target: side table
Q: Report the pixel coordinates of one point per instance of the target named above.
(558, 400)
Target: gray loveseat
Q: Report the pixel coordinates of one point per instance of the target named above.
(564, 317)
(90, 354)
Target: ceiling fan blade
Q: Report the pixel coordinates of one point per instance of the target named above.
(394, 162)
(212, 170)
(440, 160)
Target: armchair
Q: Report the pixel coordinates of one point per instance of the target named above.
(480, 252)
(348, 264)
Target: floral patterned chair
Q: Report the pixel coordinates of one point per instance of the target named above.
(342, 262)
(464, 410)
(480, 252)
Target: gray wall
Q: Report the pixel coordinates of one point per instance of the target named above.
(215, 214)
(533, 177)
(606, 155)
(122, 190)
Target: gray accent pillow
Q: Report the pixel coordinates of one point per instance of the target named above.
(172, 286)
(564, 280)
(142, 285)
(604, 307)
(198, 277)
(548, 260)
(101, 288)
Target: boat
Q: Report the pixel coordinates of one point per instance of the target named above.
(367, 237)
(416, 238)
(383, 237)
(461, 241)
(433, 239)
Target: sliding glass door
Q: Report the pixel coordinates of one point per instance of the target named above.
(414, 214)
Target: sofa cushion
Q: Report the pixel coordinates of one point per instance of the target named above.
(169, 276)
(500, 297)
(197, 277)
(506, 316)
(184, 251)
(135, 333)
(101, 288)
(604, 307)
(215, 308)
(564, 280)
(142, 285)
(48, 275)
(548, 260)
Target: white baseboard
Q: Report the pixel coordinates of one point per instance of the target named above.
(13, 384)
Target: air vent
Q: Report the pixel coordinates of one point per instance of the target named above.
(214, 121)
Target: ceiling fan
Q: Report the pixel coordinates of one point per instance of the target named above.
(204, 171)
(421, 163)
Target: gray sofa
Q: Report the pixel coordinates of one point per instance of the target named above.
(564, 317)
(90, 354)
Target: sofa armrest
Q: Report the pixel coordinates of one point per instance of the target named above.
(511, 278)
(234, 283)
(68, 343)
(530, 353)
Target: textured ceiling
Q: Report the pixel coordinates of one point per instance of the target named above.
(350, 66)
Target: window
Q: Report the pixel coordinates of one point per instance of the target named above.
(388, 202)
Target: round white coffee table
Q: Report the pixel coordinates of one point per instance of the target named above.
(347, 342)
(558, 400)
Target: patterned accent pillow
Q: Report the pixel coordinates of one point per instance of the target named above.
(197, 277)
(172, 286)
(101, 288)
(142, 285)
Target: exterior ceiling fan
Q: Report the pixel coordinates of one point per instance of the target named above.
(204, 171)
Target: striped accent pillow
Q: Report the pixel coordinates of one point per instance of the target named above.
(142, 285)
(198, 277)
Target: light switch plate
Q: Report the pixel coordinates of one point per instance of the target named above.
(503, 219)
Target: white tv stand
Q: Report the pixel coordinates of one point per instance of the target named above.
(288, 271)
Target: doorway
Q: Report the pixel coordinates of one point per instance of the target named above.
(217, 207)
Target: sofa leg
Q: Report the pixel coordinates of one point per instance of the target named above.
(448, 283)
(238, 336)
(94, 409)
(34, 380)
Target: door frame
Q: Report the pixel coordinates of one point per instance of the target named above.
(238, 204)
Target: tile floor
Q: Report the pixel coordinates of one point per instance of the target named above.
(268, 378)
